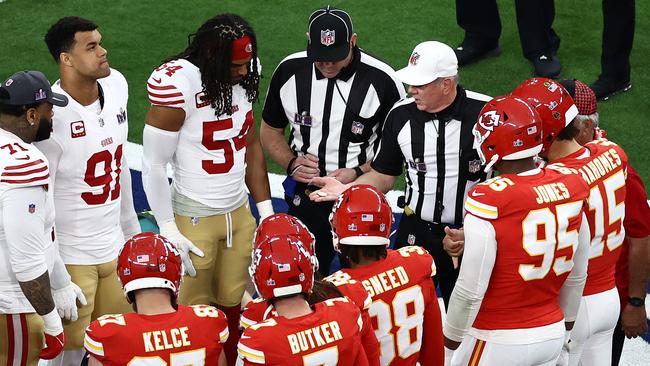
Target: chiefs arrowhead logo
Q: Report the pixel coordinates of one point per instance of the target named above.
(489, 120)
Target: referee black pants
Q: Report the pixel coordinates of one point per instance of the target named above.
(618, 339)
(415, 231)
(482, 24)
(618, 36)
(316, 216)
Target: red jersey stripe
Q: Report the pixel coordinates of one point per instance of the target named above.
(25, 172)
(161, 87)
(31, 163)
(170, 95)
(171, 102)
(23, 181)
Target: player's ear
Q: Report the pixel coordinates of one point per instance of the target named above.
(353, 40)
(64, 58)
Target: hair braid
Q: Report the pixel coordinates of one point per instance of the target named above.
(210, 49)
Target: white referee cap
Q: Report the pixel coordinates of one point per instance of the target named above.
(428, 61)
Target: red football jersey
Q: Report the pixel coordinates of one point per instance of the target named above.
(637, 225)
(328, 336)
(259, 310)
(536, 219)
(404, 309)
(603, 166)
(193, 335)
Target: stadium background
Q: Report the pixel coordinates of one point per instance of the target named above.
(139, 34)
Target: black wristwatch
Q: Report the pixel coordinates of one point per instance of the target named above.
(358, 171)
(636, 301)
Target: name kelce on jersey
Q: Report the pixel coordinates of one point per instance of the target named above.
(386, 281)
(315, 337)
(159, 340)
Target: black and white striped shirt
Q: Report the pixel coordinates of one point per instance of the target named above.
(437, 151)
(339, 120)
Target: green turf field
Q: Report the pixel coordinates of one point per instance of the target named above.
(139, 34)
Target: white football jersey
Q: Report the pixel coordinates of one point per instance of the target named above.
(22, 165)
(209, 162)
(87, 177)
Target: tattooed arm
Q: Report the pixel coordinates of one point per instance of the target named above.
(38, 292)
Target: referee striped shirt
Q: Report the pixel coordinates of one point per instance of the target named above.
(339, 120)
(437, 151)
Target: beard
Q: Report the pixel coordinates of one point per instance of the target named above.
(44, 129)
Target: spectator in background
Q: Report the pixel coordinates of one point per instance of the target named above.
(618, 36)
(482, 24)
(335, 98)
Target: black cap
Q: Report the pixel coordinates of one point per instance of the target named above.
(330, 30)
(29, 87)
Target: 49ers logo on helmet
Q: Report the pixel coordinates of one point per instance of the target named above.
(489, 120)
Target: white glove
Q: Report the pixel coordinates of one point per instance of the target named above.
(65, 300)
(170, 231)
(449, 354)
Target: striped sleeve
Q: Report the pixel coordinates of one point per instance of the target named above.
(481, 202)
(248, 353)
(25, 173)
(166, 91)
(92, 346)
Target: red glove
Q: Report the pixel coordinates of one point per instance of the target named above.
(53, 346)
(54, 337)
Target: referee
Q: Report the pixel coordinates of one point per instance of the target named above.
(335, 98)
(431, 135)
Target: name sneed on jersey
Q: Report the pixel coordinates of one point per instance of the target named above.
(386, 281)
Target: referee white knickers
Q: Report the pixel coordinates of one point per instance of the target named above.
(591, 337)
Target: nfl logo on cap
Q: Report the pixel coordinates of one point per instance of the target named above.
(327, 37)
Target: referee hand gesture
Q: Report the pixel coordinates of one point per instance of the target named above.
(330, 190)
(304, 168)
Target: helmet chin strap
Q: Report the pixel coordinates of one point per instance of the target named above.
(493, 160)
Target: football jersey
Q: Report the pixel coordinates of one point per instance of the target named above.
(536, 219)
(259, 310)
(603, 165)
(328, 336)
(193, 335)
(22, 165)
(87, 176)
(209, 163)
(636, 225)
(404, 308)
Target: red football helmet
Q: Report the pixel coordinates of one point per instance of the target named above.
(148, 260)
(553, 103)
(284, 224)
(282, 266)
(508, 128)
(361, 216)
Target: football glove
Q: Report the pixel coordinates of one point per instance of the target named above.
(54, 338)
(65, 300)
(170, 231)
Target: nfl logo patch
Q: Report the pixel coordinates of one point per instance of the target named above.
(518, 143)
(411, 239)
(413, 60)
(39, 95)
(474, 166)
(162, 267)
(357, 128)
(31, 208)
(327, 37)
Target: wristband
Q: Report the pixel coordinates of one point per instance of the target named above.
(358, 171)
(52, 323)
(289, 172)
(636, 301)
(265, 209)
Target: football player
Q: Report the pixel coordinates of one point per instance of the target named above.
(90, 178)
(526, 247)
(160, 331)
(603, 165)
(326, 333)
(259, 309)
(201, 121)
(29, 322)
(404, 307)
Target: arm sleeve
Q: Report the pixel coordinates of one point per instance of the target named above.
(59, 277)
(389, 158)
(25, 231)
(478, 261)
(571, 291)
(159, 147)
(128, 217)
(432, 351)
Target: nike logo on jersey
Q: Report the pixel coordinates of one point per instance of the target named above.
(477, 194)
(26, 157)
(157, 80)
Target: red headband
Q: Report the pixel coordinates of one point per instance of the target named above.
(242, 48)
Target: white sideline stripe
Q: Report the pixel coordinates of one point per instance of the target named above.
(133, 153)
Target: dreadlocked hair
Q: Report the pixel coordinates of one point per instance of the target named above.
(354, 253)
(210, 49)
